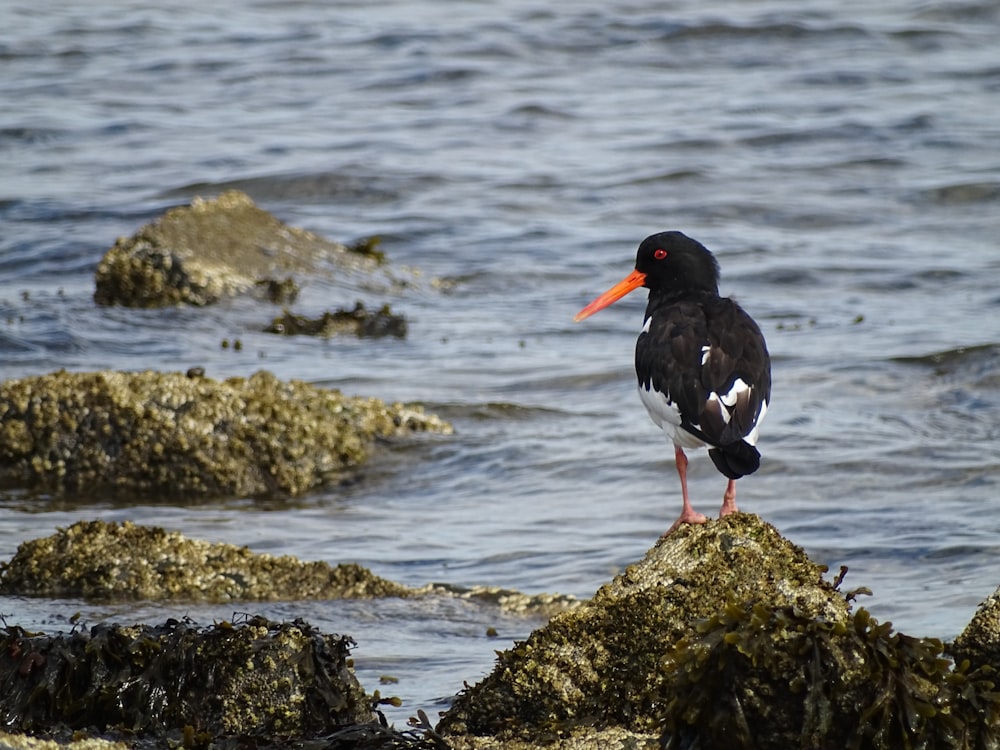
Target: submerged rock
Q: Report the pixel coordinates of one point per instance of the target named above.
(111, 561)
(253, 680)
(212, 249)
(158, 435)
(98, 560)
(725, 635)
(360, 322)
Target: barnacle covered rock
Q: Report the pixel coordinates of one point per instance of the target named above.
(212, 249)
(725, 635)
(112, 561)
(99, 560)
(979, 643)
(252, 679)
(9, 741)
(159, 435)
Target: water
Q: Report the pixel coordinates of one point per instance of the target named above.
(840, 158)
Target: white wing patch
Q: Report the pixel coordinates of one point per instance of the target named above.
(739, 388)
(706, 352)
(724, 404)
(647, 324)
(667, 417)
(755, 432)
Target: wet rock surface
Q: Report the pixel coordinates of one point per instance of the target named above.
(979, 643)
(212, 249)
(360, 321)
(98, 560)
(253, 679)
(178, 437)
(725, 635)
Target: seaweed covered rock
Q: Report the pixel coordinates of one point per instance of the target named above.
(252, 679)
(169, 436)
(212, 249)
(360, 322)
(725, 635)
(112, 561)
(979, 643)
(98, 560)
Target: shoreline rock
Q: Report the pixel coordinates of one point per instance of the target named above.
(96, 560)
(213, 249)
(360, 322)
(102, 561)
(252, 679)
(725, 635)
(152, 435)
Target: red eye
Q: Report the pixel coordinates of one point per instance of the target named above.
(660, 253)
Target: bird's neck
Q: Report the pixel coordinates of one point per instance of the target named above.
(666, 296)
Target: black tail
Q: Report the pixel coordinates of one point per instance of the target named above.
(736, 459)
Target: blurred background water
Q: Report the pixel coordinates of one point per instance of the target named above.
(840, 158)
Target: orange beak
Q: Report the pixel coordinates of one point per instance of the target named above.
(630, 283)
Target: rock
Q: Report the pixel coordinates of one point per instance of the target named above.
(98, 560)
(979, 643)
(725, 635)
(507, 600)
(158, 435)
(359, 322)
(111, 561)
(251, 679)
(27, 742)
(213, 249)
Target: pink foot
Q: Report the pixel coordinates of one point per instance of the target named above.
(687, 516)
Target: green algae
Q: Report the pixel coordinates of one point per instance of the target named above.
(169, 436)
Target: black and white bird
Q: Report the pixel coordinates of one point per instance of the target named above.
(702, 363)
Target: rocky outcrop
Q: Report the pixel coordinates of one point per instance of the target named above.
(97, 560)
(110, 561)
(253, 679)
(154, 435)
(213, 249)
(725, 635)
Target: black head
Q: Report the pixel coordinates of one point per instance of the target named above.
(672, 261)
(668, 262)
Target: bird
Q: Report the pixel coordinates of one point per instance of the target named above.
(703, 369)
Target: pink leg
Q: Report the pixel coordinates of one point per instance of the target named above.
(688, 514)
(729, 500)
